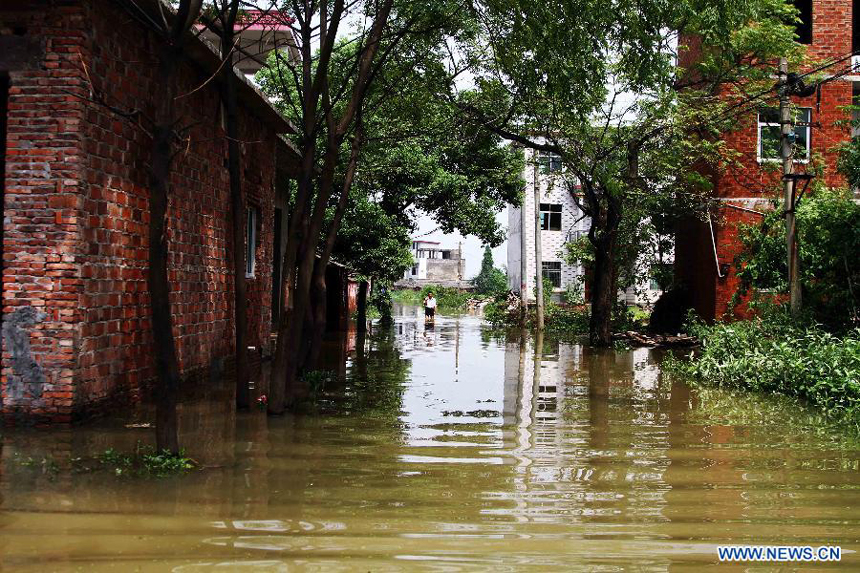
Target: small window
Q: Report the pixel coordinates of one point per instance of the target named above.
(769, 134)
(550, 217)
(414, 270)
(251, 243)
(552, 271)
(855, 26)
(549, 162)
(803, 28)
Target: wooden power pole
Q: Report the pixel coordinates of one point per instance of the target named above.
(538, 257)
(524, 264)
(787, 154)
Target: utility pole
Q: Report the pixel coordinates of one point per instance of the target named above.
(524, 264)
(787, 154)
(538, 257)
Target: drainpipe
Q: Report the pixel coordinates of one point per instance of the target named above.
(714, 244)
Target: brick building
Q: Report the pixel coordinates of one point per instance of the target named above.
(705, 250)
(76, 326)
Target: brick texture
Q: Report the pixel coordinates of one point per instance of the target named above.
(76, 213)
(754, 184)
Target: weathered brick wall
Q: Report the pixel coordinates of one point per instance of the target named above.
(754, 184)
(41, 256)
(100, 203)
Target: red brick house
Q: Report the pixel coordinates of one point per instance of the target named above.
(704, 252)
(77, 81)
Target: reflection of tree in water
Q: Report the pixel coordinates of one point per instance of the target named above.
(376, 379)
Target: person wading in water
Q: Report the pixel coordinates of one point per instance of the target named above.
(429, 307)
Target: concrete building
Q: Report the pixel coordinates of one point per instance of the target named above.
(435, 265)
(261, 32)
(561, 222)
(706, 250)
(74, 178)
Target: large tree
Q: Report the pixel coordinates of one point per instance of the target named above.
(343, 94)
(597, 84)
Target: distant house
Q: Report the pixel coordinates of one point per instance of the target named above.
(433, 264)
(561, 222)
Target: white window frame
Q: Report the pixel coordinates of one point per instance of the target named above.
(251, 244)
(760, 124)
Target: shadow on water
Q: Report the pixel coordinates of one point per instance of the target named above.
(443, 446)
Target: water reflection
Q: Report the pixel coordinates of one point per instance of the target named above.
(444, 446)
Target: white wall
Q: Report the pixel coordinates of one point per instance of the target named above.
(552, 189)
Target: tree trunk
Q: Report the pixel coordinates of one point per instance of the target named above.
(362, 307)
(237, 205)
(603, 290)
(319, 310)
(284, 350)
(166, 361)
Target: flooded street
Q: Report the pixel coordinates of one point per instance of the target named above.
(446, 448)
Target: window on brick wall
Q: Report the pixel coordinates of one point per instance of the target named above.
(769, 134)
(855, 26)
(803, 29)
(550, 217)
(251, 241)
(552, 271)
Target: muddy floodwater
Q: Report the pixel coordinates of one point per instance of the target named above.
(445, 447)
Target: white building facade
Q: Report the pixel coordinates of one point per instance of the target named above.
(561, 221)
(434, 265)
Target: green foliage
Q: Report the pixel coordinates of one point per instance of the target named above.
(380, 298)
(574, 294)
(446, 297)
(416, 156)
(373, 242)
(828, 235)
(490, 281)
(145, 462)
(598, 85)
(562, 321)
(775, 355)
(547, 292)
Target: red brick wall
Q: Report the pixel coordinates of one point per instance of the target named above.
(41, 255)
(91, 216)
(754, 185)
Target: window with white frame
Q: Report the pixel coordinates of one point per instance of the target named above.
(550, 217)
(251, 241)
(552, 271)
(549, 162)
(769, 134)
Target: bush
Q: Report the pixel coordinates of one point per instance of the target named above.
(446, 297)
(775, 355)
(828, 235)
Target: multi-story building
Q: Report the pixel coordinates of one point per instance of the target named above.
(434, 265)
(706, 249)
(561, 222)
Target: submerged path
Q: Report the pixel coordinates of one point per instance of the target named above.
(445, 447)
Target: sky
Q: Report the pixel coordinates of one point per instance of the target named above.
(473, 249)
